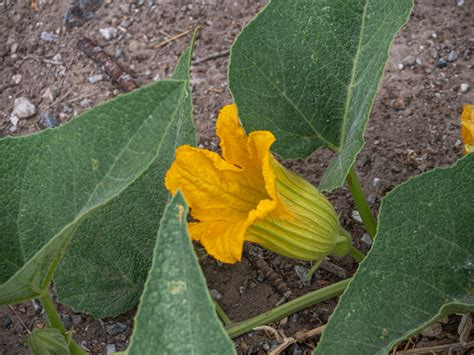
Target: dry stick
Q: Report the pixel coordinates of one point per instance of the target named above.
(19, 318)
(211, 57)
(255, 257)
(173, 38)
(122, 78)
(285, 341)
(438, 348)
(333, 269)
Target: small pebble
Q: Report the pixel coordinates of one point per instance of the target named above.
(399, 104)
(95, 78)
(458, 143)
(16, 78)
(48, 120)
(377, 183)
(302, 272)
(418, 61)
(434, 53)
(14, 120)
(7, 321)
(85, 103)
(76, 319)
(366, 240)
(67, 321)
(356, 216)
(48, 36)
(409, 61)
(110, 348)
(441, 63)
(266, 346)
(400, 66)
(464, 88)
(453, 56)
(37, 306)
(23, 108)
(371, 199)
(215, 294)
(460, 3)
(115, 328)
(108, 33)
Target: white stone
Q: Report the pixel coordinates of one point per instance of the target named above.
(464, 87)
(95, 78)
(23, 108)
(108, 33)
(400, 66)
(356, 216)
(377, 183)
(366, 240)
(110, 348)
(14, 120)
(17, 78)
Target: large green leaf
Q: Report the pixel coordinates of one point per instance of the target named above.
(52, 181)
(176, 314)
(421, 266)
(48, 341)
(308, 70)
(112, 253)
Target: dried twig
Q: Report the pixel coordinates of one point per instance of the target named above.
(173, 38)
(436, 349)
(211, 57)
(333, 269)
(122, 78)
(285, 341)
(19, 318)
(255, 257)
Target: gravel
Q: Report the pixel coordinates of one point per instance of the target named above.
(23, 108)
(464, 88)
(115, 328)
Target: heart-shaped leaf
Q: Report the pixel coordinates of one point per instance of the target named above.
(308, 70)
(420, 268)
(114, 246)
(54, 180)
(176, 314)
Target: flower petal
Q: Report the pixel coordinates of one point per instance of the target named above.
(213, 188)
(233, 140)
(467, 128)
(223, 240)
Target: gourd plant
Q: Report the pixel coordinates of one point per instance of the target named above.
(83, 205)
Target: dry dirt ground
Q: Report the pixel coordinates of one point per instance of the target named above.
(414, 126)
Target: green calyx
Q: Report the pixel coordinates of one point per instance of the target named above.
(309, 227)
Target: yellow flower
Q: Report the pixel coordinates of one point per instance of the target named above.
(247, 195)
(467, 128)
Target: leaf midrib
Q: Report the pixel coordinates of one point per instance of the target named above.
(83, 214)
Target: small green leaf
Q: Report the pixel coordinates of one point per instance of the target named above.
(420, 268)
(114, 246)
(308, 70)
(47, 341)
(176, 314)
(54, 180)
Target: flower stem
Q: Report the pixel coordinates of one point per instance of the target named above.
(221, 314)
(288, 308)
(54, 321)
(356, 254)
(361, 203)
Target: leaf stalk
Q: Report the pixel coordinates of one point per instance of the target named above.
(325, 293)
(361, 203)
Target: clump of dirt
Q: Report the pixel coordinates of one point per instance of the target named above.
(414, 126)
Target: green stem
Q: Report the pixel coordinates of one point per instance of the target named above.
(361, 203)
(356, 254)
(54, 321)
(288, 308)
(222, 315)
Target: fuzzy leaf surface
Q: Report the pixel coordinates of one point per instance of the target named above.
(114, 246)
(176, 314)
(420, 268)
(54, 180)
(48, 341)
(308, 70)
